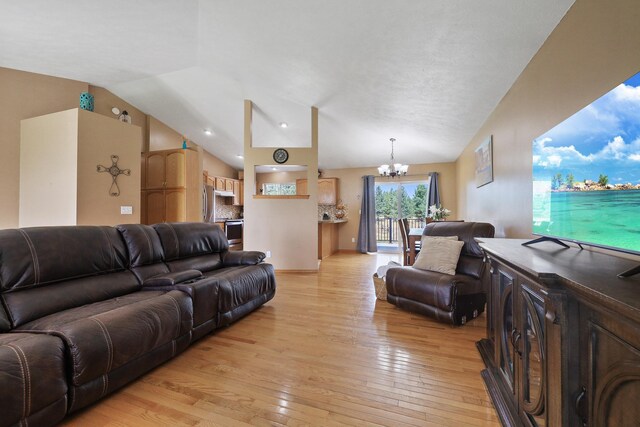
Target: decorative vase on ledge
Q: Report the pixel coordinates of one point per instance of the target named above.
(86, 101)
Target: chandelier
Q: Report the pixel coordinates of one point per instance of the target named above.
(396, 169)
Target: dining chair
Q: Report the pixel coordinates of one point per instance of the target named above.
(407, 228)
(405, 241)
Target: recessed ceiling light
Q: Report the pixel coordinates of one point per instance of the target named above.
(240, 156)
(284, 125)
(208, 132)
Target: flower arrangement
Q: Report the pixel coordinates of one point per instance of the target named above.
(438, 213)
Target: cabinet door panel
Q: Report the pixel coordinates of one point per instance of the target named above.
(155, 172)
(301, 187)
(228, 185)
(175, 169)
(613, 374)
(506, 328)
(327, 191)
(236, 193)
(176, 206)
(532, 312)
(155, 206)
(221, 184)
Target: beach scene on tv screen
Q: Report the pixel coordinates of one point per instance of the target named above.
(586, 173)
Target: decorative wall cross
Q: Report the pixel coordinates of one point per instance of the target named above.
(115, 171)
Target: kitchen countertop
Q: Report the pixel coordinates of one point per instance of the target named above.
(332, 221)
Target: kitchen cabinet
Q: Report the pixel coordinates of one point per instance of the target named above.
(237, 194)
(227, 184)
(328, 193)
(563, 336)
(301, 187)
(328, 237)
(220, 183)
(172, 189)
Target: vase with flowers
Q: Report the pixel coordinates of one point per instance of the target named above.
(438, 213)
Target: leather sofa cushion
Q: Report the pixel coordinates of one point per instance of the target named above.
(183, 239)
(32, 378)
(30, 304)
(232, 258)
(202, 263)
(240, 285)
(143, 243)
(31, 257)
(429, 287)
(103, 336)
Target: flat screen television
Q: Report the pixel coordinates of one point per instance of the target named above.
(586, 174)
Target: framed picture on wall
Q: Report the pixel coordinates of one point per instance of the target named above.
(484, 162)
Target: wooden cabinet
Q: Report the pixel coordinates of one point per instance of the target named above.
(608, 392)
(237, 193)
(172, 187)
(227, 184)
(563, 337)
(328, 193)
(301, 187)
(221, 183)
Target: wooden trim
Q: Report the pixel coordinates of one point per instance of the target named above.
(297, 196)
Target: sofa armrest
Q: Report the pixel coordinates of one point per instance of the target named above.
(231, 258)
(171, 279)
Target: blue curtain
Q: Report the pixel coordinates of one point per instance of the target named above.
(367, 230)
(434, 192)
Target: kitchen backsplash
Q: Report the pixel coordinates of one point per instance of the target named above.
(331, 211)
(227, 211)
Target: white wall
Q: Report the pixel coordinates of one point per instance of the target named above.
(48, 169)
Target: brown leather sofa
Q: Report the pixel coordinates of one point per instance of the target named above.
(88, 309)
(455, 298)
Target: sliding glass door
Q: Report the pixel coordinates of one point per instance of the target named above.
(399, 199)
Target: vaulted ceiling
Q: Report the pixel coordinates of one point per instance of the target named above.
(426, 72)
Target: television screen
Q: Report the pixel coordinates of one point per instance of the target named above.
(586, 173)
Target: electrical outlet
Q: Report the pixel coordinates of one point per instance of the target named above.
(268, 254)
(126, 210)
(353, 240)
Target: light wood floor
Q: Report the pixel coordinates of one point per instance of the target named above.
(323, 352)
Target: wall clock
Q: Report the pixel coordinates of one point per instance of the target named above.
(280, 155)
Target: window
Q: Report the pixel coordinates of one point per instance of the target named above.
(279, 189)
(399, 199)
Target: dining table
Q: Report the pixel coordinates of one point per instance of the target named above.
(414, 236)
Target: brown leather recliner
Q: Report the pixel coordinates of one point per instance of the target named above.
(450, 298)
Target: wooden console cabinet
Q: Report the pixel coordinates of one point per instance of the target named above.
(563, 336)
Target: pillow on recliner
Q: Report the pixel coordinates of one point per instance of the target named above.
(439, 253)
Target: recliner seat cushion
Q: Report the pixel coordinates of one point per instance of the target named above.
(430, 287)
(105, 335)
(33, 390)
